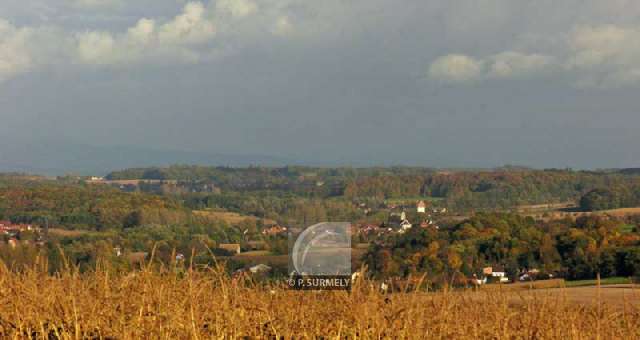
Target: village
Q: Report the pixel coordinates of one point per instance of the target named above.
(252, 251)
(398, 220)
(258, 261)
(14, 234)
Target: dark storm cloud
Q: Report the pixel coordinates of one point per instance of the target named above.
(437, 83)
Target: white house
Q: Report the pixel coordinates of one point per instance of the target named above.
(500, 274)
(421, 207)
(404, 226)
(496, 272)
(479, 282)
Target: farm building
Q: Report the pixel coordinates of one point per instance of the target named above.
(498, 273)
(274, 230)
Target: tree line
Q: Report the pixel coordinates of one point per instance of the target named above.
(573, 249)
(462, 190)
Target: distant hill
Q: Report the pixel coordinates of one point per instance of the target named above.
(59, 158)
(630, 171)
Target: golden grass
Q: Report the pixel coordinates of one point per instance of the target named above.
(541, 284)
(271, 260)
(172, 304)
(555, 214)
(544, 207)
(620, 212)
(67, 233)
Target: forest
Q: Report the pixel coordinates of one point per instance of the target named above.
(87, 221)
(462, 190)
(572, 249)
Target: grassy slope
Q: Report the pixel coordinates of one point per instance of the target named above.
(605, 281)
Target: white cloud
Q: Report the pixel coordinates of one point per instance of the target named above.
(190, 27)
(96, 47)
(592, 55)
(593, 46)
(456, 68)
(236, 8)
(179, 39)
(605, 56)
(188, 37)
(96, 4)
(143, 32)
(185, 38)
(25, 48)
(516, 64)
(282, 26)
(14, 51)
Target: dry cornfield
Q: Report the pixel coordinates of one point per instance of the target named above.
(204, 304)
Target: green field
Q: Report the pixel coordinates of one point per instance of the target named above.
(605, 281)
(413, 199)
(627, 228)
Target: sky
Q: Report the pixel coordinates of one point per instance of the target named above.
(103, 84)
